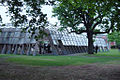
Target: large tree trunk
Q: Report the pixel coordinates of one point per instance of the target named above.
(90, 43)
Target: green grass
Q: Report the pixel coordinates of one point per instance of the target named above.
(111, 53)
(6, 55)
(112, 57)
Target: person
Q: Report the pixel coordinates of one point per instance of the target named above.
(49, 51)
(119, 47)
(96, 48)
(45, 48)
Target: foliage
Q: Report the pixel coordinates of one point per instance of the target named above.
(27, 14)
(114, 37)
(96, 16)
(72, 13)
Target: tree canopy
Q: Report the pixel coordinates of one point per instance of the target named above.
(96, 16)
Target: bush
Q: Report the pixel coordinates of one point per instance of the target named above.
(114, 47)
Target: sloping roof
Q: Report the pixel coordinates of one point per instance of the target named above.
(15, 36)
(74, 39)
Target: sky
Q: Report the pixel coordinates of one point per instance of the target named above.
(45, 9)
(5, 19)
(48, 10)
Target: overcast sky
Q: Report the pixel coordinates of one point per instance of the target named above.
(46, 10)
(5, 19)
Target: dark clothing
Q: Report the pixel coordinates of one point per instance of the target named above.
(49, 51)
(96, 49)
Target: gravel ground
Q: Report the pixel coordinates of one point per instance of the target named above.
(11, 71)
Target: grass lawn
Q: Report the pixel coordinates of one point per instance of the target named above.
(112, 57)
(6, 55)
(111, 53)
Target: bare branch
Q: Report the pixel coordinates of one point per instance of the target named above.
(97, 23)
(78, 32)
(100, 32)
(95, 18)
(111, 27)
(78, 22)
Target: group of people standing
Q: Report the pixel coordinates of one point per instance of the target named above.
(98, 48)
(44, 48)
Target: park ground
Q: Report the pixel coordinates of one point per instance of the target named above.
(101, 66)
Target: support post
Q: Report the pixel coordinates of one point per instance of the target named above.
(3, 50)
(16, 49)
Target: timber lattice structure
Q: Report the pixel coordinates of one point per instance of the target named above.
(13, 41)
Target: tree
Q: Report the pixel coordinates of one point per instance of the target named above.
(28, 14)
(114, 37)
(97, 17)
